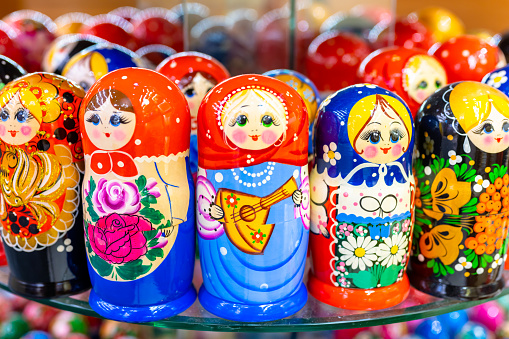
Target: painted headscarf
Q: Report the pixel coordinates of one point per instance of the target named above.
(332, 135)
(216, 151)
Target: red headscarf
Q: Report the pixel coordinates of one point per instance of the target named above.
(178, 65)
(385, 68)
(215, 153)
(162, 115)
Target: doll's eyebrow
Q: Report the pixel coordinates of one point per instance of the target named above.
(395, 122)
(244, 106)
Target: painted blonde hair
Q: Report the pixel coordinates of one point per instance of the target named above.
(471, 103)
(415, 63)
(363, 110)
(96, 61)
(37, 96)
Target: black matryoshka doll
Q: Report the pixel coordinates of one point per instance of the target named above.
(40, 175)
(9, 71)
(462, 192)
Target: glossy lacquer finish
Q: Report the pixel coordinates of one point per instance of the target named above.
(195, 74)
(307, 91)
(410, 73)
(138, 196)
(9, 71)
(41, 173)
(252, 199)
(362, 197)
(93, 62)
(462, 189)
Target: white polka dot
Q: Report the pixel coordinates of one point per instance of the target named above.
(137, 141)
(120, 164)
(124, 77)
(61, 248)
(99, 165)
(69, 248)
(67, 242)
(173, 64)
(465, 53)
(178, 120)
(296, 174)
(445, 54)
(223, 251)
(219, 177)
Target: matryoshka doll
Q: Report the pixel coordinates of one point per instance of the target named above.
(196, 74)
(307, 91)
(138, 196)
(462, 192)
(252, 199)
(40, 175)
(410, 73)
(361, 199)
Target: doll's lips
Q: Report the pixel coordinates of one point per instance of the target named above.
(385, 150)
(254, 137)
(13, 133)
(107, 135)
(498, 139)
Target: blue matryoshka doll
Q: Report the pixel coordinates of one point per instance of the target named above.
(361, 197)
(252, 199)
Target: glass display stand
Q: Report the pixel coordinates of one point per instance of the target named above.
(315, 316)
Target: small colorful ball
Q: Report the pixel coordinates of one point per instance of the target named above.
(455, 321)
(441, 22)
(489, 314)
(432, 328)
(466, 57)
(158, 26)
(14, 328)
(38, 315)
(37, 335)
(35, 32)
(472, 330)
(333, 60)
(112, 28)
(70, 23)
(66, 323)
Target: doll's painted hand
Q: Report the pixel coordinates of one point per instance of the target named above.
(297, 197)
(216, 212)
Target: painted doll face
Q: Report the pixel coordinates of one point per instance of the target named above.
(384, 139)
(425, 80)
(491, 135)
(17, 124)
(195, 92)
(255, 124)
(81, 73)
(108, 127)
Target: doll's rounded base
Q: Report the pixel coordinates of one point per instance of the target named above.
(253, 312)
(440, 289)
(49, 289)
(359, 299)
(142, 313)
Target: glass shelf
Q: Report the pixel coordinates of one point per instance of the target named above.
(315, 316)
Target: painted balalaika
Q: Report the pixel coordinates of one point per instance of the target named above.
(248, 213)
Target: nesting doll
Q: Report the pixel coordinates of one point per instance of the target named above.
(252, 199)
(410, 73)
(40, 171)
(195, 74)
(92, 63)
(307, 91)
(9, 71)
(361, 199)
(138, 196)
(462, 187)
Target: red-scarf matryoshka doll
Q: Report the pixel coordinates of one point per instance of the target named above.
(40, 173)
(409, 72)
(138, 196)
(252, 199)
(196, 74)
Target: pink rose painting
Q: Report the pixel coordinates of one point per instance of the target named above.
(119, 238)
(113, 196)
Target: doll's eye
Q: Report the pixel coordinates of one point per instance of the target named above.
(190, 92)
(487, 128)
(374, 137)
(267, 121)
(438, 84)
(4, 115)
(209, 89)
(84, 85)
(21, 116)
(395, 136)
(505, 127)
(94, 119)
(241, 120)
(423, 85)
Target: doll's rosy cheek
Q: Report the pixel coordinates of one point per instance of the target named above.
(488, 140)
(96, 134)
(396, 150)
(506, 137)
(119, 135)
(370, 152)
(26, 130)
(269, 137)
(2, 130)
(239, 136)
(421, 95)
